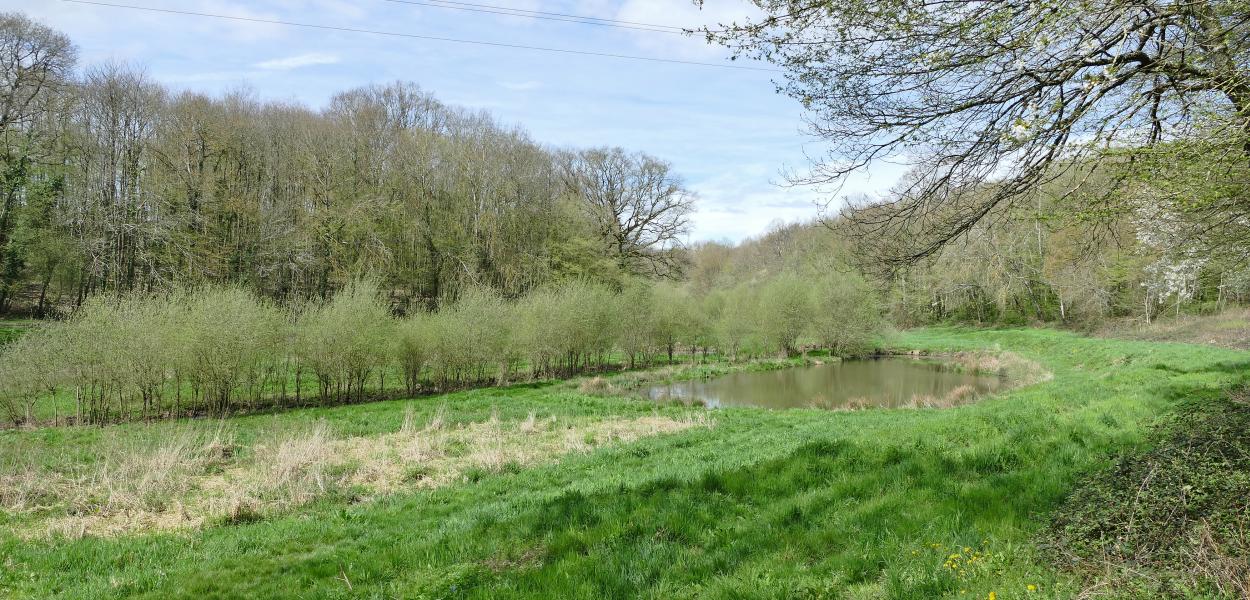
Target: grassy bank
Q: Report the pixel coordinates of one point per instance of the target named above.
(752, 503)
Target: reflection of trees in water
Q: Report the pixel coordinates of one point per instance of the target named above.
(849, 385)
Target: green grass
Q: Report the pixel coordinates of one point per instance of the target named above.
(767, 504)
(11, 329)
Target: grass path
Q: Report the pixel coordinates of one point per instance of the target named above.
(784, 504)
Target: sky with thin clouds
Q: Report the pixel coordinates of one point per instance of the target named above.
(726, 131)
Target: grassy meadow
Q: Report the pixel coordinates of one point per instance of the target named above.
(562, 490)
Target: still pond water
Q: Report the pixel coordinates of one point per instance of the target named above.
(880, 382)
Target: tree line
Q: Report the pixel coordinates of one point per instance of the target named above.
(221, 349)
(1030, 266)
(110, 182)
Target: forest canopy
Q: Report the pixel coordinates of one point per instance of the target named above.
(112, 182)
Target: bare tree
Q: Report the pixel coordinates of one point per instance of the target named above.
(989, 100)
(638, 207)
(120, 110)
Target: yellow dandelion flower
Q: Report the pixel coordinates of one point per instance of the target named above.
(993, 596)
(1032, 588)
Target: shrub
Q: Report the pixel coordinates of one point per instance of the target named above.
(568, 326)
(346, 339)
(229, 342)
(786, 311)
(672, 315)
(634, 307)
(848, 316)
(413, 345)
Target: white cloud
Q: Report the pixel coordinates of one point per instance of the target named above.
(741, 202)
(298, 61)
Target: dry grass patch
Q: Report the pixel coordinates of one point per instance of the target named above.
(1018, 370)
(192, 480)
(957, 396)
(1229, 329)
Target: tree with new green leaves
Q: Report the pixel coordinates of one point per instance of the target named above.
(848, 316)
(988, 101)
(36, 66)
(672, 317)
(786, 311)
(229, 343)
(739, 329)
(479, 330)
(635, 307)
(347, 339)
(31, 368)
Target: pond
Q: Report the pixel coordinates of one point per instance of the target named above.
(888, 382)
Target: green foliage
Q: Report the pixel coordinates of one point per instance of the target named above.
(11, 330)
(786, 311)
(846, 320)
(31, 368)
(1178, 508)
(635, 304)
(738, 329)
(179, 189)
(229, 342)
(344, 340)
(472, 335)
(570, 324)
(673, 318)
(220, 349)
(132, 356)
(777, 504)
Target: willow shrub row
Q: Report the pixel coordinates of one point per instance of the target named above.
(217, 349)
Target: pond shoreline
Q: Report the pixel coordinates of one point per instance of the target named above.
(870, 382)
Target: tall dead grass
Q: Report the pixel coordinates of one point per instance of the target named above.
(1019, 371)
(192, 479)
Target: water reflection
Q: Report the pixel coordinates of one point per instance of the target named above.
(882, 382)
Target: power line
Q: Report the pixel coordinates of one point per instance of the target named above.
(556, 14)
(425, 37)
(549, 16)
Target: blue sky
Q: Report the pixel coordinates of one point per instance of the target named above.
(725, 131)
